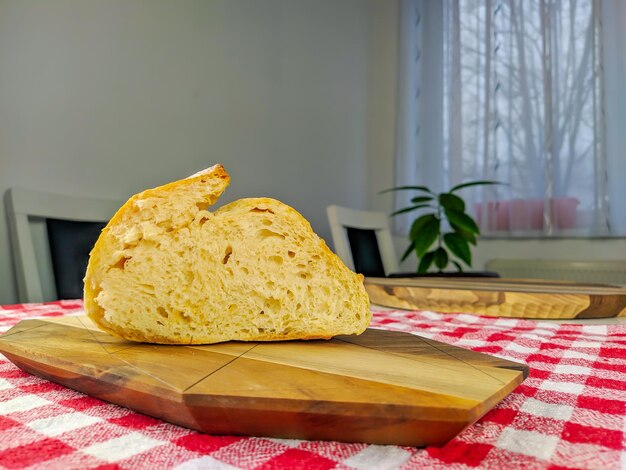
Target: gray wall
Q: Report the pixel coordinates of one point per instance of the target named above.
(108, 97)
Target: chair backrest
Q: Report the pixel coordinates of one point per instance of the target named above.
(363, 240)
(51, 236)
(594, 271)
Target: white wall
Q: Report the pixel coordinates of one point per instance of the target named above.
(108, 97)
(380, 158)
(381, 111)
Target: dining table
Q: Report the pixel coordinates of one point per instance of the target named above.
(570, 412)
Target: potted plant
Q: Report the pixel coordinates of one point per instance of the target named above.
(434, 242)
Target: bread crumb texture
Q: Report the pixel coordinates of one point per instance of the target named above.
(167, 270)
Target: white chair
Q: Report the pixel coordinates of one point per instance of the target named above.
(32, 216)
(363, 240)
(593, 271)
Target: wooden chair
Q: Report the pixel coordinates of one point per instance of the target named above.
(51, 236)
(363, 240)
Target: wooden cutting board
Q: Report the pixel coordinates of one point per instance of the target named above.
(382, 387)
(500, 297)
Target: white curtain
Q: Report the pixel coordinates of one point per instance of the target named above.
(519, 92)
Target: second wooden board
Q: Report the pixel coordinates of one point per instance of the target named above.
(496, 297)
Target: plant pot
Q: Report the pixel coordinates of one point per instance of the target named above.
(526, 214)
(564, 211)
(497, 215)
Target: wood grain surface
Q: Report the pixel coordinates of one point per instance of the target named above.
(498, 297)
(381, 387)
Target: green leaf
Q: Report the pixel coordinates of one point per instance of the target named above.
(469, 236)
(417, 200)
(451, 201)
(459, 247)
(408, 251)
(441, 258)
(419, 223)
(409, 209)
(458, 266)
(426, 236)
(473, 183)
(425, 262)
(404, 188)
(462, 220)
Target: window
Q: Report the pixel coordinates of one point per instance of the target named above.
(521, 92)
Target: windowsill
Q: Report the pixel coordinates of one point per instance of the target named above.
(573, 233)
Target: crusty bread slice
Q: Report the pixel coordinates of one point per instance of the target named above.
(166, 270)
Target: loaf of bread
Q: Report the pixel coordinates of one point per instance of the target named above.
(167, 270)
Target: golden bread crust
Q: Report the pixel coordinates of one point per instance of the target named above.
(167, 270)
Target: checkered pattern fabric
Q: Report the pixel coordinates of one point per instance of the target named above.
(570, 412)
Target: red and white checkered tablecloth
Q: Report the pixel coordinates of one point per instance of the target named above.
(570, 412)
